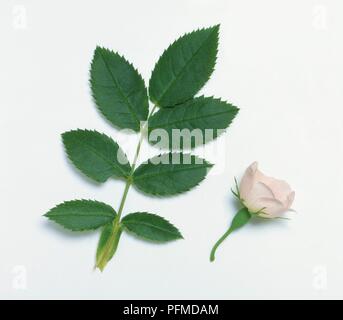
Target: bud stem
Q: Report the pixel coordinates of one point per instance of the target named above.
(240, 219)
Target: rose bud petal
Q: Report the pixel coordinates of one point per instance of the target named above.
(266, 196)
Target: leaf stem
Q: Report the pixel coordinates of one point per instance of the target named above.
(113, 241)
(122, 202)
(134, 163)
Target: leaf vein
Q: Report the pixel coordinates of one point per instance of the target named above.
(120, 89)
(172, 82)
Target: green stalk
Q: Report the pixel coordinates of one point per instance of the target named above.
(112, 242)
(241, 218)
(218, 243)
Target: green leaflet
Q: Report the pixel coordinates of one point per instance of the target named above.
(150, 227)
(79, 215)
(95, 154)
(107, 246)
(171, 173)
(184, 67)
(197, 120)
(118, 89)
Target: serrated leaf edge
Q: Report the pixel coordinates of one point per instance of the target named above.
(219, 100)
(207, 165)
(49, 216)
(92, 81)
(216, 28)
(178, 233)
(125, 175)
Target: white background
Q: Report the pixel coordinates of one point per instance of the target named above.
(279, 61)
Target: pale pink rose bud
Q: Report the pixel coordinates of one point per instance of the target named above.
(264, 195)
